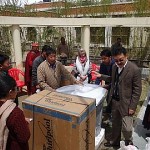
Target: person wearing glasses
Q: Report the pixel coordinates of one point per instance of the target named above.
(124, 93)
(14, 130)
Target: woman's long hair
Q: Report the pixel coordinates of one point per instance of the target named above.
(7, 83)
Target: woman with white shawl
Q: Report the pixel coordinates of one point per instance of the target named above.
(82, 67)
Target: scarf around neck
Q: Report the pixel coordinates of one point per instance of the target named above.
(83, 70)
(5, 111)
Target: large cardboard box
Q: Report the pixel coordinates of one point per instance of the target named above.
(62, 121)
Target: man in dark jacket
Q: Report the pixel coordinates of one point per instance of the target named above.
(63, 51)
(35, 65)
(116, 45)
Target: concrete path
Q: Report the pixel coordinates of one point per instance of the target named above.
(138, 131)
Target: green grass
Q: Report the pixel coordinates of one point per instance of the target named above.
(145, 88)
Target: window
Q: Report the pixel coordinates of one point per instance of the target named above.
(121, 32)
(97, 35)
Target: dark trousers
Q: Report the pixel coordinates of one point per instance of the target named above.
(120, 124)
(29, 92)
(16, 101)
(30, 89)
(33, 89)
(109, 105)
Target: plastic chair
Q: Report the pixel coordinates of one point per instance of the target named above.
(94, 68)
(71, 65)
(15, 73)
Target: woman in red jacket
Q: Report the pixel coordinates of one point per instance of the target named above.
(14, 130)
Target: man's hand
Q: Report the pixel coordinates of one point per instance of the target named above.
(78, 82)
(97, 74)
(131, 112)
(105, 86)
(83, 78)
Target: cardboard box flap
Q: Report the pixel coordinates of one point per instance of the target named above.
(33, 99)
(29, 102)
(71, 98)
(63, 110)
(73, 105)
(36, 97)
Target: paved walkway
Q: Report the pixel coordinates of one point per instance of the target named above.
(139, 132)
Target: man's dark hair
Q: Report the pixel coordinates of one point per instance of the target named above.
(118, 51)
(45, 48)
(7, 83)
(62, 38)
(106, 52)
(3, 58)
(50, 51)
(118, 38)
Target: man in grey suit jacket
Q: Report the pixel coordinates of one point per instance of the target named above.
(125, 93)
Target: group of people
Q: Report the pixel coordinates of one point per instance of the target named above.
(122, 79)
(43, 71)
(34, 58)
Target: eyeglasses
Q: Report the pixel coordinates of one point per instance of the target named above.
(119, 60)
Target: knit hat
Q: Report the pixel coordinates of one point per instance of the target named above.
(35, 45)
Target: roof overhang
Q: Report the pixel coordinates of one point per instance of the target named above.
(94, 22)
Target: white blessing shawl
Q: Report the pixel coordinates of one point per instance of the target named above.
(5, 111)
(82, 70)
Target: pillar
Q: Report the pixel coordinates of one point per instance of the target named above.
(85, 38)
(17, 45)
(108, 36)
